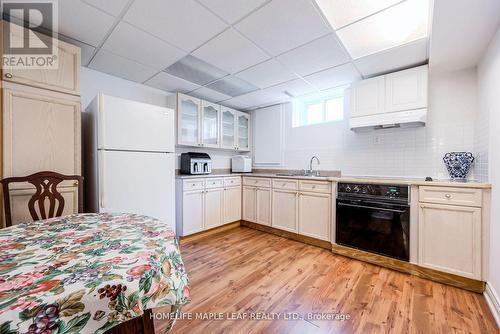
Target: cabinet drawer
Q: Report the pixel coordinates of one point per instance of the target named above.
(315, 186)
(193, 184)
(285, 184)
(214, 183)
(257, 182)
(232, 181)
(455, 196)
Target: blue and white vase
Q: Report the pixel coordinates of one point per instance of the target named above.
(458, 164)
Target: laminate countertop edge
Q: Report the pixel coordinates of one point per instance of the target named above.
(398, 181)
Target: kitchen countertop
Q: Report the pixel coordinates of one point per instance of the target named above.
(355, 179)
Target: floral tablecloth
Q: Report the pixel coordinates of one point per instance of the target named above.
(86, 273)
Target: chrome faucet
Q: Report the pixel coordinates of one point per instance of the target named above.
(310, 171)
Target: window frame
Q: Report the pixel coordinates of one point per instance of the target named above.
(300, 115)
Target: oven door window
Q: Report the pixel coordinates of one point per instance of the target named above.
(374, 227)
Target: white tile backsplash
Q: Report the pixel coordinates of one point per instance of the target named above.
(410, 152)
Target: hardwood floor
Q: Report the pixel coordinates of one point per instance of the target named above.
(245, 270)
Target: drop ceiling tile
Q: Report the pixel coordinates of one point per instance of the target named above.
(130, 42)
(195, 70)
(267, 74)
(165, 81)
(232, 86)
(333, 77)
(252, 100)
(110, 63)
(113, 7)
(231, 52)
(283, 24)
(232, 11)
(297, 87)
(342, 12)
(209, 94)
(183, 23)
(394, 59)
(398, 25)
(83, 22)
(322, 53)
(87, 51)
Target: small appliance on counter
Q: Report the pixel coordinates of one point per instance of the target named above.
(195, 163)
(241, 164)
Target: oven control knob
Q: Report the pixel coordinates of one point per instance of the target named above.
(356, 189)
(348, 189)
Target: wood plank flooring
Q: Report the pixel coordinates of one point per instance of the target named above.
(245, 270)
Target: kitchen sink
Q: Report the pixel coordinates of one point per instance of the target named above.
(299, 174)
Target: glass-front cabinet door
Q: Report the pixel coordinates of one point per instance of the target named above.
(189, 115)
(243, 131)
(210, 124)
(228, 128)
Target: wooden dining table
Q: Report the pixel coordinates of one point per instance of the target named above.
(89, 273)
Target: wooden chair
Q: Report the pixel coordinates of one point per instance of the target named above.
(46, 189)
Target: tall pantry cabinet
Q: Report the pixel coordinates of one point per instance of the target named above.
(41, 127)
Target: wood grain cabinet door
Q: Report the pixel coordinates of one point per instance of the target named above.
(19, 203)
(314, 215)
(64, 78)
(450, 239)
(41, 131)
(232, 204)
(284, 210)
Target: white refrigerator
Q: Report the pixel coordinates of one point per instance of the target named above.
(129, 158)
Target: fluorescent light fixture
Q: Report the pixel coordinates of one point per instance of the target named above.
(343, 12)
(398, 25)
(195, 70)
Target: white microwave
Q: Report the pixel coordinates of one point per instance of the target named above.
(241, 164)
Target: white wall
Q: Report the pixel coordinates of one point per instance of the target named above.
(489, 103)
(413, 152)
(94, 82)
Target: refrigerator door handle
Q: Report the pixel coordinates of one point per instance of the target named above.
(102, 162)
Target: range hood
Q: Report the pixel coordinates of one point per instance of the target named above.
(398, 119)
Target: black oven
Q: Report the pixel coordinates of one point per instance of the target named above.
(374, 218)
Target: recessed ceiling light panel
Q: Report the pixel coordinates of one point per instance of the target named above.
(232, 86)
(398, 25)
(195, 70)
(343, 12)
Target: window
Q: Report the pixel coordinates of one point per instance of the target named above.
(316, 109)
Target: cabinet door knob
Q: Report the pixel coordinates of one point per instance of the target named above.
(8, 75)
(447, 196)
(422, 206)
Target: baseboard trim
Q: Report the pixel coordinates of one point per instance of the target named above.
(410, 268)
(206, 233)
(289, 235)
(493, 302)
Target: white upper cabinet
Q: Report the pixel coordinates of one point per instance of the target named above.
(228, 128)
(205, 124)
(367, 97)
(243, 131)
(390, 100)
(406, 90)
(188, 122)
(210, 124)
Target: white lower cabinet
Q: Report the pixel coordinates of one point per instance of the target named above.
(315, 215)
(450, 239)
(284, 210)
(205, 203)
(214, 199)
(192, 211)
(249, 204)
(263, 206)
(232, 204)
